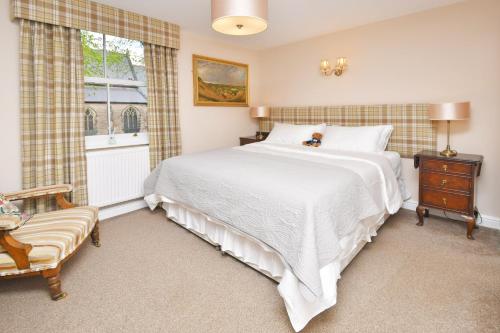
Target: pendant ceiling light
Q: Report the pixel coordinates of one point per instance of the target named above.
(239, 17)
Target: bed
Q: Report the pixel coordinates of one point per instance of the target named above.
(297, 214)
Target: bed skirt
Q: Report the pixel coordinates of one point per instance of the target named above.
(300, 303)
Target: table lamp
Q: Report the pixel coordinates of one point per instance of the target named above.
(259, 112)
(449, 112)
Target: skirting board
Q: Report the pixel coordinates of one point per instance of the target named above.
(488, 221)
(130, 206)
(121, 208)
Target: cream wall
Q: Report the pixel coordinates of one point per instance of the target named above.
(446, 54)
(202, 128)
(209, 127)
(10, 160)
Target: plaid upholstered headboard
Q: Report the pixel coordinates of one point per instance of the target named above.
(412, 130)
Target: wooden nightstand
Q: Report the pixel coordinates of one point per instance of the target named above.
(251, 139)
(448, 184)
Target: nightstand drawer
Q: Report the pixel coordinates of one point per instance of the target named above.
(447, 182)
(246, 141)
(447, 201)
(447, 167)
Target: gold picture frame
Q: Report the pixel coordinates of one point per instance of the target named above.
(218, 82)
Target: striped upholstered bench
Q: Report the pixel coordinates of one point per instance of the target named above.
(42, 244)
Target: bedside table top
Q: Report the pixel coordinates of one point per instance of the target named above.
(251, 137)
(254, 137)
(466, 158)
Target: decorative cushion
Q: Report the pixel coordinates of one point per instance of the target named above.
(53, 235)
(10, 216)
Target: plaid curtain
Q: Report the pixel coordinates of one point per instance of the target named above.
(163, 106)
(52, 108)
(98, 17)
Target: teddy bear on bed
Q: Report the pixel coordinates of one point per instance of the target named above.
(315, 141)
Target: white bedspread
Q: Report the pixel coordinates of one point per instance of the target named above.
(298, 200)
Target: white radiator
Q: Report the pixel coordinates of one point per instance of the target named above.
(116, 175)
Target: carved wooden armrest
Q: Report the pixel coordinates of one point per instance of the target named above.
(39, 192)
(57, 190)
(17, 250)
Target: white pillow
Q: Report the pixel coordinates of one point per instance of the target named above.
(362, 138)
(293, 134)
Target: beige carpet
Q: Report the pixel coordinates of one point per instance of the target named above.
(151, 275)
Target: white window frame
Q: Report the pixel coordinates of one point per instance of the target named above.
(117, 140)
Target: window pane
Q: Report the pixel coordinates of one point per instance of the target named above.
(96, 110)
(128, 110)
(93, 62)
(125, 59)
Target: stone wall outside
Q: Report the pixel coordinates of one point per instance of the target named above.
(101, 121)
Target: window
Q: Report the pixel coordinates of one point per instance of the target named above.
(115, 85)
(131, 120)
(90, 122)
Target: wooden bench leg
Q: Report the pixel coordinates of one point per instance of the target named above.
(54, 281)
(95, 235)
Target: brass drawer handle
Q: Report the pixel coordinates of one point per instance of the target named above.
(444, 201)
(443, 182)
(445, 167)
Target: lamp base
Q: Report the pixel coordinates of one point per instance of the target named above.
(259, 136)
(448, 152)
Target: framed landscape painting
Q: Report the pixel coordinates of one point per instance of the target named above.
(219, 82)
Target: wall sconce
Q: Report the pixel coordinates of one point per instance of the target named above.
(340, 67)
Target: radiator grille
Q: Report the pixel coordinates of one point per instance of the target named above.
(116, 175)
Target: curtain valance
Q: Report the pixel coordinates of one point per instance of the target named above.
(93, 16)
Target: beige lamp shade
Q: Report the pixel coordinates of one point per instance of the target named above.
(259, 112)
(449, 111)
(239, 17)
